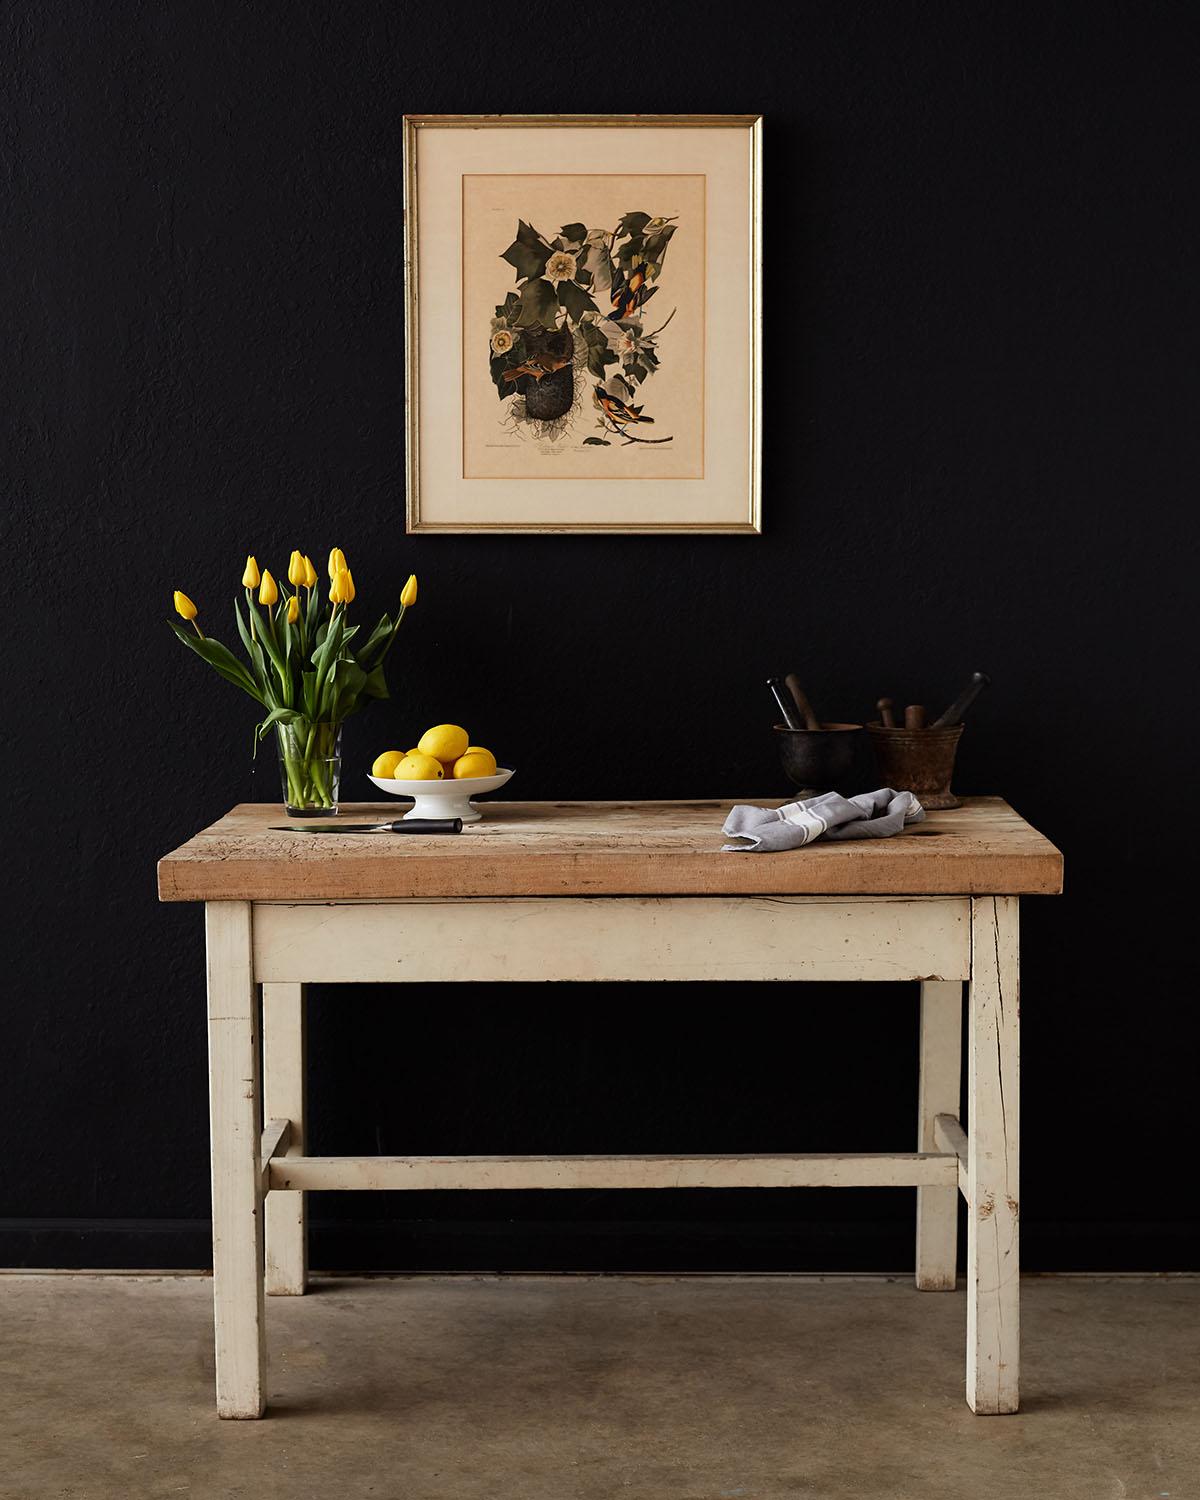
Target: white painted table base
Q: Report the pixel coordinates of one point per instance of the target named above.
(939, 940)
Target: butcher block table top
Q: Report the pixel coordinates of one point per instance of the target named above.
(602, 849)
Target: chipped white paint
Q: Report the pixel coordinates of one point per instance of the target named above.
(941, 1069)
(939, 939)
(421, 1173)
(236, 1168)
(948, 1135)
(993, 1131)
(641, 938)
(283, 1098)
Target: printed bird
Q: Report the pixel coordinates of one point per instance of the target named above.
(538, 365)
(616, 410)
(629, 292)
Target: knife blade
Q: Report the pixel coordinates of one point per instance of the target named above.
(402, 825)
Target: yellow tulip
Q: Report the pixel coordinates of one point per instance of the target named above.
(296, 570)
(184, 606)
(310, 573)
(293, 613)
(269, 592)
(251, 575)
(341, 590)
(337, 563)
(408, 594)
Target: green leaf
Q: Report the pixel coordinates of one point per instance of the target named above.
(574, 300)
(374, 641)
(632, 224)
(220, 658)
(574, 234)
(539, 304)
(599, 353)
(278, 716)
(375, 685)
(528, 253)
(592, 442)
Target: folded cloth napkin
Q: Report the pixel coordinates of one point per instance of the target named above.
(870, 815)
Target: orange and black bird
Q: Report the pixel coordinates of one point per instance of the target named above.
(616, 411)
(629, 292)
(538, 365)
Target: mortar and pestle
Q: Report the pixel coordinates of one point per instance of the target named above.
(918, 758)
(815, 757)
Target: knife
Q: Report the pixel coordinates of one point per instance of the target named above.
(403, 825)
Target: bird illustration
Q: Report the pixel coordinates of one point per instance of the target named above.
(538, 365)
(629, 292)
(616, 410)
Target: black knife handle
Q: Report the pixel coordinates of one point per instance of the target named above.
(428, 825)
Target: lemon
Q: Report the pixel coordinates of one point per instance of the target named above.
(418, 767)
(476, 762)
(386, 764)
(444, 742)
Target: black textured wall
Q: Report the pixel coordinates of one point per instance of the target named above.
(980, 412)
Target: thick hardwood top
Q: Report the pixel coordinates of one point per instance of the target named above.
(602, 849)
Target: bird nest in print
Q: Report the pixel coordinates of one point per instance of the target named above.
(573, 338)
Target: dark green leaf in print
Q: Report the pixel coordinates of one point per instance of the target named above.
(599, 354)
(574, 234)
(632, 224)
(528, 253)
(539, 304)
(575, 300)
(596, 443)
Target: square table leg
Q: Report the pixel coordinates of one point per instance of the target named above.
(941, 1076)
(237, 1196)
(993, 1117)
(283, 1099)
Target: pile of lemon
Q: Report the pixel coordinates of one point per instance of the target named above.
(444, 750)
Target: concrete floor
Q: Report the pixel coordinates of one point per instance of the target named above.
(715, 1388)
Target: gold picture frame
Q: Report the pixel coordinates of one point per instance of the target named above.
(574, 342)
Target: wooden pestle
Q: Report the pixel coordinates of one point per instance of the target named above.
(810, 719)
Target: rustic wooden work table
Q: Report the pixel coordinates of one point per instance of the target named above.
(618, 891)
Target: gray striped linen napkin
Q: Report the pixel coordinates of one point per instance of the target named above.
(870, 815)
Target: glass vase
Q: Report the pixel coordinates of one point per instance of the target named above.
(310, 768)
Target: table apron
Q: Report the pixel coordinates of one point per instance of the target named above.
(613, 938)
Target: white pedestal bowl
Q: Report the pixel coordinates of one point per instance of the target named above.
(448, 798)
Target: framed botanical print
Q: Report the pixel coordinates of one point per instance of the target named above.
(583, 330)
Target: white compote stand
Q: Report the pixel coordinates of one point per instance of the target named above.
(448, 798)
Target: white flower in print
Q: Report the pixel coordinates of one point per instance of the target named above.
(561, 266)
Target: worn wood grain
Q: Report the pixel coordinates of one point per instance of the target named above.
(603, 848)
(993, 1159)
(941, 1068)
(507, 1173)
(237, 1194)
(283, 1067)
(635, 938)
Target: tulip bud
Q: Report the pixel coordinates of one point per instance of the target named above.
(341, 590)
(310, 573)
(268, 594)
(296, 570)
(337, 563)
(348, 586)
(184, 606)
(408, 594)
(251, 576)
(293, 612)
